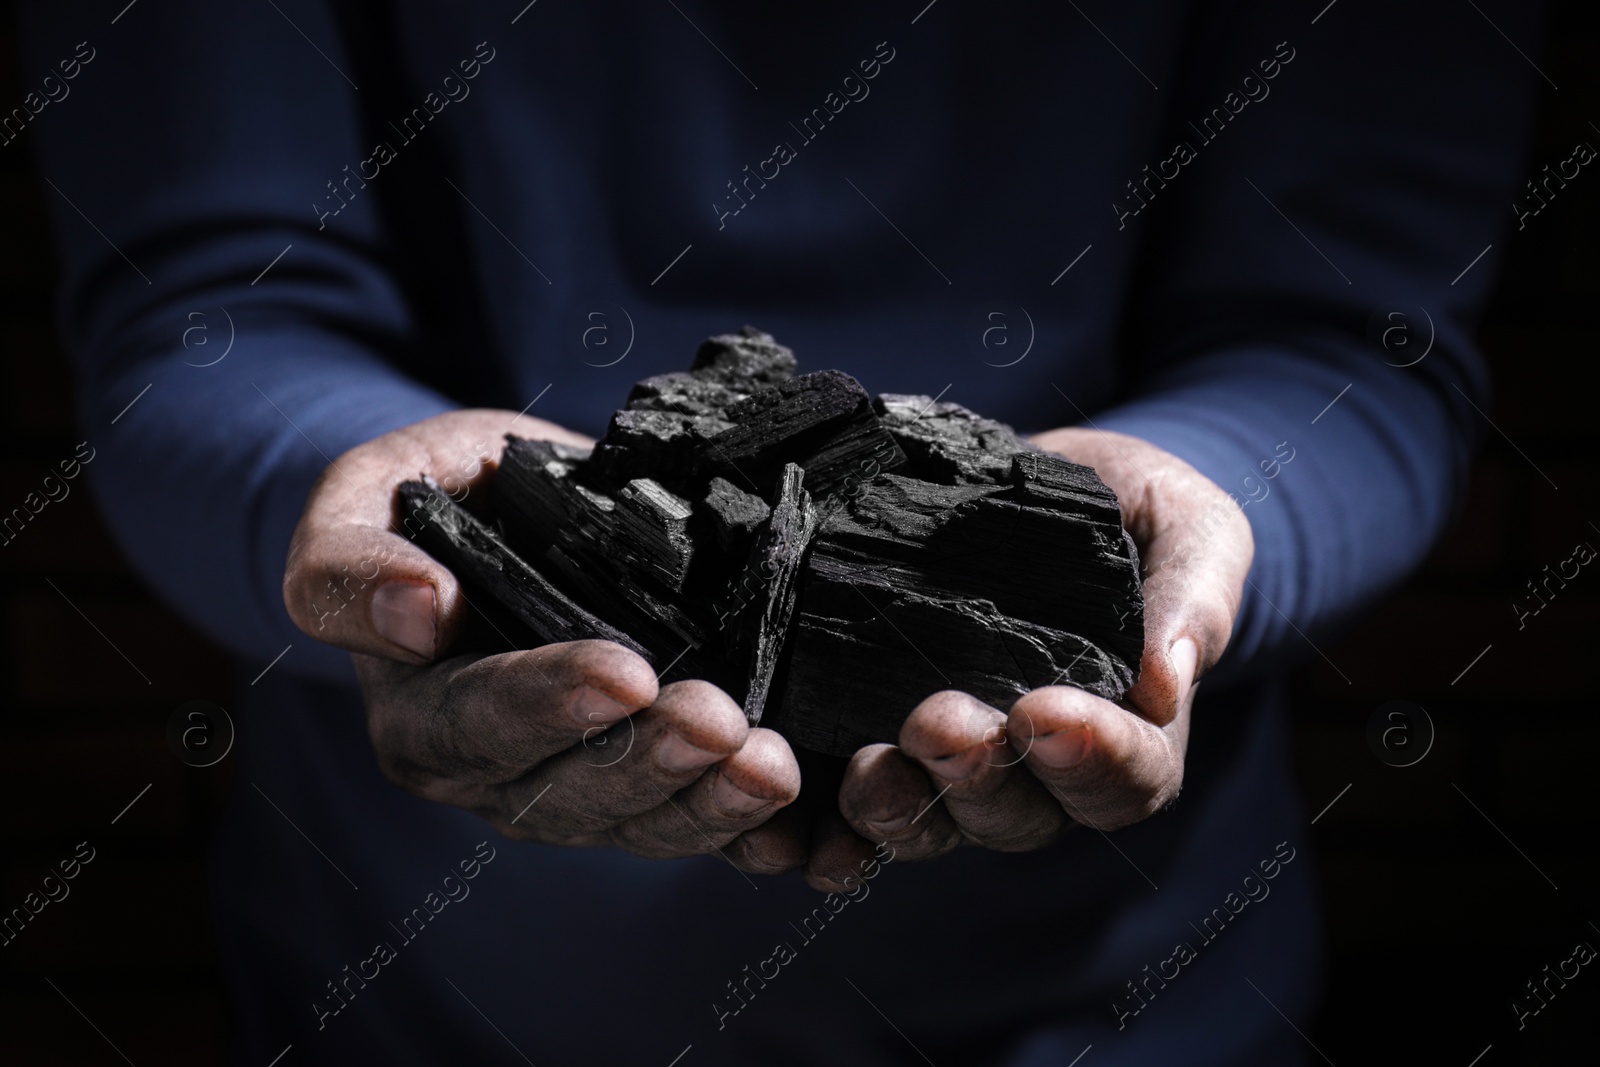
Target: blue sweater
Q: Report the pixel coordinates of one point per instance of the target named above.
(1232, 229)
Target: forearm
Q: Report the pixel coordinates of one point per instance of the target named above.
(203, 479)
(1343, 202)
(1344, 496)
(181, 183)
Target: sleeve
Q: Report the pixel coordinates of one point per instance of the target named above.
(1347, 219)
(227, 340)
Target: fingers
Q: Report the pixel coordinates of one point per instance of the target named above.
(780, 844)
(1108, 768)
(742, 792)
(965, 771)
(689, 778)
(886, 796)
(543, 744)
(353, 578)
(980, 776)
(839, 855)
(955, 777)
(592, 787)
(443, 730)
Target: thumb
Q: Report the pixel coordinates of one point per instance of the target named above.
(1195, 550)
(364, 589)
(1198, 554)
(353, 581)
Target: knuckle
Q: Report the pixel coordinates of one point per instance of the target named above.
(654, 845)
(721, 821)
(1019, 828)
(1014, 839)
(1151, 803)
(1153, 786)
(569, 820)
(1025, 844)
(519, 831)
(399, 770)
(931, 841)
(297, 580)
(1137, 801)
(629, 836)
(1165, 794)
(749, 856)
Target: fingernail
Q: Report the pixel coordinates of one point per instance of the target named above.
(678, 755)
(402, 613)
(1063, 749)
(1184, 656)
(958, 767)
(731, 800)
(593, 708)
(890, 822)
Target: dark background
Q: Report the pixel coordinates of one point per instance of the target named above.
(1436, 917)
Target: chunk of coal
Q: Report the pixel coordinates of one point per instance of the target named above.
(920, 586)
(667, 627)
(726, 369)
(666, 443)
(946, 443)
(641, 532)
(481, 560)
(748, 357)
(842, 559)
(823, 421)
(866, 649)
(762, 600)
(653, 530)
(530, 489)
(1035, 549)
(733, 515)
(664, 426)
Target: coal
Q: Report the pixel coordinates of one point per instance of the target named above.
(732, 516)
(479, 558)
(823, 421)
(828, 558)
(992, 590)
(765, 593)
(947, 443)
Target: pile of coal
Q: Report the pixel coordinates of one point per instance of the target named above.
(827, 558)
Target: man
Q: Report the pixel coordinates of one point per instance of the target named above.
(409, 221)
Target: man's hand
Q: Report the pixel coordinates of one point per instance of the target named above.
(572, 743)
(965, 772)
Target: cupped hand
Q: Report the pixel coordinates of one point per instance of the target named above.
(1016, 779)
(574, 743)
